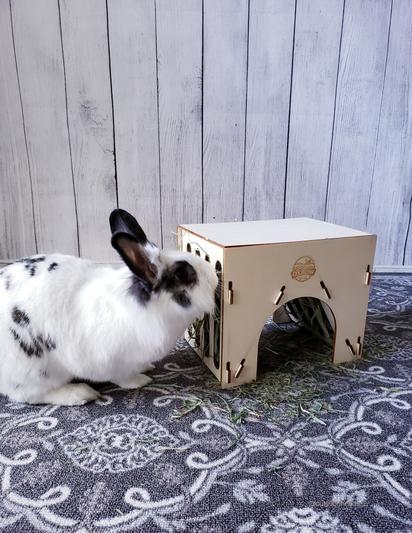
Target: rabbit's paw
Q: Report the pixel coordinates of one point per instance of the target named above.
(135, 382)
(148, 367)
(70, 394)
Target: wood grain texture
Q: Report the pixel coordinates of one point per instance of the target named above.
(224, 107)
(179, 49)
(359, 94)
(316, 56)
(132, 37)
(187, 103)
(17, 237)
(90, 121)
(41, 74)
(269, 74)
(391, 189)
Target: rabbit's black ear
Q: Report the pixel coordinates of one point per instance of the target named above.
(123, 222)
(134, 255)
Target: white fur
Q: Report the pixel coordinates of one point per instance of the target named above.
(102, 331)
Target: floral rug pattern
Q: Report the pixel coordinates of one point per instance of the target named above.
(334, 454)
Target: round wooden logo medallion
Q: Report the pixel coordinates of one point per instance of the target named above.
(303, 269)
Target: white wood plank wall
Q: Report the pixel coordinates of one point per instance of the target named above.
(203, 110)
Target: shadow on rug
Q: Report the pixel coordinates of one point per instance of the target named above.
(310, 447)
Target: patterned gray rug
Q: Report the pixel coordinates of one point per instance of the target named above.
(313, 448)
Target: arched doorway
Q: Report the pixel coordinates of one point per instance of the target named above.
(302, 329)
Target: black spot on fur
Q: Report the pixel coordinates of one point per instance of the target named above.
(6, 278)
(182, 299)
(32, 260)
(31, 268)
(178, 276)
(52, 266)
(28, 348)
(49, 344)
(46, 343)
(31, 343)
(38, 343)
(175, 279)
(20, 317)
(31, 263)
(140, 290)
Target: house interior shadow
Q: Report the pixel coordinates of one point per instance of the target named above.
(300, 331)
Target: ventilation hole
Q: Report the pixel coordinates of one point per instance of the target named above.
(188, 247)
(312, 314)
(218, 266)
(230, 292)
(325, 289)
(207, 258)
(206, 335)
(197, 252)
(240, 368)
(216, 346)
(216, 317)
(349, 345)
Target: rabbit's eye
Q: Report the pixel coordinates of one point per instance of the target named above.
(184, 273)
(180, 274)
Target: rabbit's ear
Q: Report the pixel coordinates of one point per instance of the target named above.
(123, 222)
(134, 255)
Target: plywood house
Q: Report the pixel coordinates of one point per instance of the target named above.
(264, 264)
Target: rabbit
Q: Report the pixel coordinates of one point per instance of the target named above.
(65, 318)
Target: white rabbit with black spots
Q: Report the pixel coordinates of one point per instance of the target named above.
(62, 317)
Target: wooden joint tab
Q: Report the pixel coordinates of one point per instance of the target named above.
(280, 295)
(359, 346)
(368, 275)
(240, 368)
(230, 293)
(350, 347)
(325, 290)
(228, 373)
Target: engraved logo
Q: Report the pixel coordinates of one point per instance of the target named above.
(303, 269)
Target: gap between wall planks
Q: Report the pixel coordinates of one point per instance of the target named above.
(132, 28)
(224, 104)
(316, 56)
(42, 83)
(359, 93)
(199, 134)
(16, 209)
(268, 91)
(90, 121)
(179, 50)
(392, 177)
